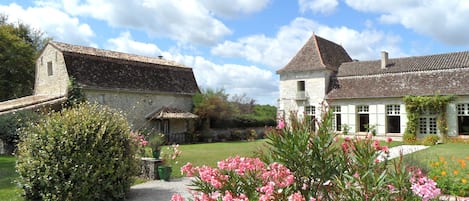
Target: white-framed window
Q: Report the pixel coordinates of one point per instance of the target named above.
(336, 118)
(363, 118)
(310, 112)
(49, 68)
(427, 122)
(393, 119)
(463, 118)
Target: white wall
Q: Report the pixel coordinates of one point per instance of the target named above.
(55, 84)
(377, 112)
(316, 83)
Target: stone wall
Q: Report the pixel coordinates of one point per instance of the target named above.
(137, 105)
(54, 82)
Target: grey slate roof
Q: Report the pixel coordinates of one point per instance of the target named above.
(406, 64)
(103, 69)
(423, 75)
(317, 54)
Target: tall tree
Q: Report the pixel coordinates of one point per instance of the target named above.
(19, 45)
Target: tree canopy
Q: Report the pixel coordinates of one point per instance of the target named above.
(19, 45)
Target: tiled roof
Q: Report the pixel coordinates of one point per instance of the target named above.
(406, 64)
(64, 47)
(102, 69)
(317, 54)
(171, 113)
(422, 75)
(443, 82)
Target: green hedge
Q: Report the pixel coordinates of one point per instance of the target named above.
(82, 153)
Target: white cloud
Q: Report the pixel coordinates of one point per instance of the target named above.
(125, 43)
(440, 19)
(53, 22)
(277, 51)
(257, 83)
(235, 8)
(183, 21)
(318, 6)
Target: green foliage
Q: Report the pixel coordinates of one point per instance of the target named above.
(75, 94)
(309, 155)
(84, 152)
(213, 104)
(327, 170)
(415, 105)
(156, 141)
(430, 140)
(409, 138)
(19, 45)
(10, 123)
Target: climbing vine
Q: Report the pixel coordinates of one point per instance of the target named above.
(75, 94)
(415, 106)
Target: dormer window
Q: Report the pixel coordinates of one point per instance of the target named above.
(49, 68)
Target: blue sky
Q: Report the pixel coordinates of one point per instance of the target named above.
(239, 44)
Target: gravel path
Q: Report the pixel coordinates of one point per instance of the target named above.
(158, 190)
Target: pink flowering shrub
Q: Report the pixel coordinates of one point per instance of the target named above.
(423, 186)
(141, 142)
(239, 178)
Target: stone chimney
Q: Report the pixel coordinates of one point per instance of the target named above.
(384, 59)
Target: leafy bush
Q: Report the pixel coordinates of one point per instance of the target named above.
(84, 152)
(452, 175)
(10, 123)
(430, 140)
(409, 138)
(326, 170)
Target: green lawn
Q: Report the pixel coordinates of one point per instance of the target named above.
(448, 150)
(210, 153)
(8, 190)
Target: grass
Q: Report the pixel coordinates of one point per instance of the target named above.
(210, 153)
(447, 150)
(8, 190)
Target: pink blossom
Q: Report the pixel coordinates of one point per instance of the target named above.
(144, 143)
(177, 197)
(347, 139)
(188, 170)
(389, 140)
(356, 175)
(376, 145)
(385, 149)
(281, 124)
(296, 197)
(312, 199)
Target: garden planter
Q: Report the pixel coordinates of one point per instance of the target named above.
(164, 172)
(156, 153)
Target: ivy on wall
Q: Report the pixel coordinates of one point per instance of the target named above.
(415, 105)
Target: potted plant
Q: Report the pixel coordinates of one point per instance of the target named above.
(155, 142)
(169, 158)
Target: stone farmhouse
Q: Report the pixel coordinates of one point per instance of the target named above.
(154, 93)
(365, 94)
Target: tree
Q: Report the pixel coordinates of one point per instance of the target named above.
(213, 104)
(19, 45)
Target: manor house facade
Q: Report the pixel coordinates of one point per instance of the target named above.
(369, 94)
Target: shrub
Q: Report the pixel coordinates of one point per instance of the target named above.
(240, 178)
(452, 175)
(409, 138)
(430, 140)
(84, 152)
(10, 123)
